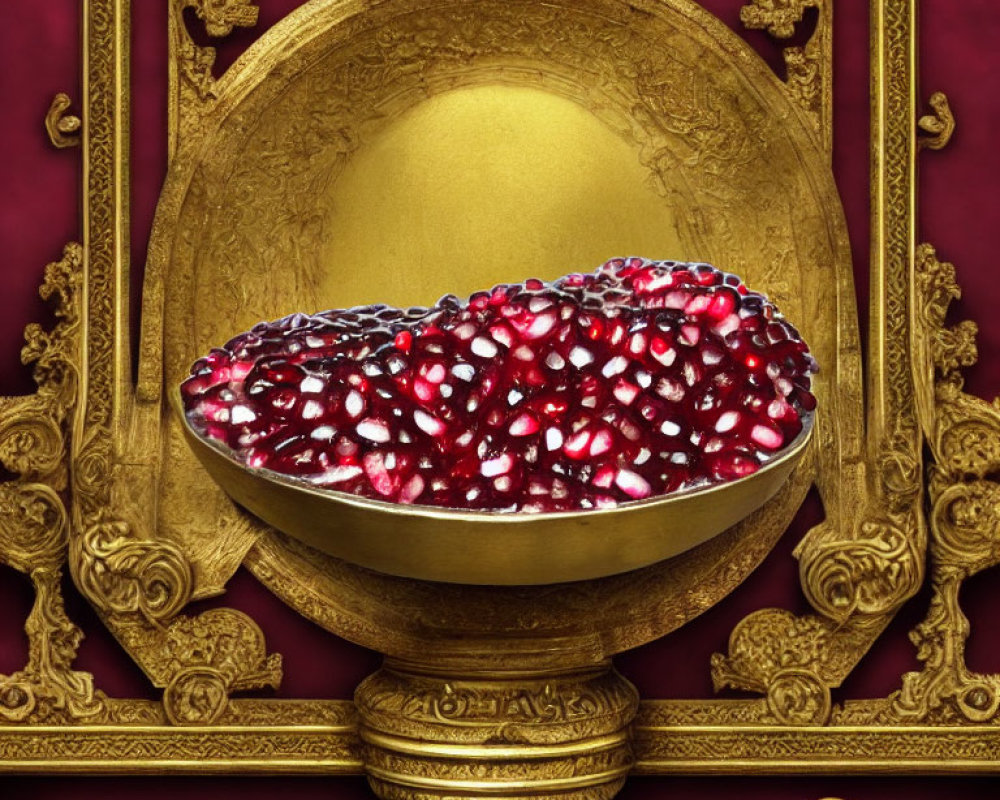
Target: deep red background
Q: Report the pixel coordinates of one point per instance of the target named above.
(39, 55)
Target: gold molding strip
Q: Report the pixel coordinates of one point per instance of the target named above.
(834, 750)
(149, 749)
(659, 749)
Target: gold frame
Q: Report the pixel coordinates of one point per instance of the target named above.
(942, 720)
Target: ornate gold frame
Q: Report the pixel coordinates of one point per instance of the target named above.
(71, 436)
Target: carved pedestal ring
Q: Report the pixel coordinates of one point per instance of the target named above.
(430, 734)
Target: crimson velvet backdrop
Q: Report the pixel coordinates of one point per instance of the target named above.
(39, 211)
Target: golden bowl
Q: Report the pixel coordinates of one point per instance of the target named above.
(492, 548)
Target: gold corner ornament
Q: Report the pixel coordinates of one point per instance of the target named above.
(809, 69)
(137, 583)
(192, 85)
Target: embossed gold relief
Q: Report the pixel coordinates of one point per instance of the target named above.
(963, 433)
(809, 69)
(192, 91)
(701, 142)
(564, 733)
(33, 518)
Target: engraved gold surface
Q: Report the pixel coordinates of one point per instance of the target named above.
(690, 121)
(562, 732)
(247, 222)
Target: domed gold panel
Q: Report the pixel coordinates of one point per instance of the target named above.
(397, 151)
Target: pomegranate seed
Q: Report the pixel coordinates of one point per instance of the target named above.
(484, 348)
(524, 425)
(767, 437)
(404, 341)
(502, 334)
(337, 474)
(670, 428)
(633, 484)
(604, 477)
(541, 326)
(625, 392)
(428, 423)
(580, 357)
(553, 438)
(601, 442)
(373, 429)
(615, 366)
(727, 421)
(678, 370)
(377, 473)
(576, 446)
(497, 466)
(412, 489)
(555, 361)
(662, 351)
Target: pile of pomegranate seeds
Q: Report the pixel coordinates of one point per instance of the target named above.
(640, 379)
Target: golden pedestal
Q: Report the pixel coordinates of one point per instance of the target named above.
(431, 731)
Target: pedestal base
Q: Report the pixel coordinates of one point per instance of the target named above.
(499, 734)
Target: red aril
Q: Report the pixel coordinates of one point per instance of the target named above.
(640, 379)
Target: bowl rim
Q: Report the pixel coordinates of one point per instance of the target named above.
(488, 516)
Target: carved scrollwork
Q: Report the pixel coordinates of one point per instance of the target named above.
(870, 575)
(780, 655)
(209, 657)
(855, 583)
(140, 586)
(33, 518)
(809, 69)
(121, 574)
(195, 91)
(963, 433)
(798, 697)
(778, 17)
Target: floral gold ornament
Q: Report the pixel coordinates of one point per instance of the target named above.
(286, 159)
